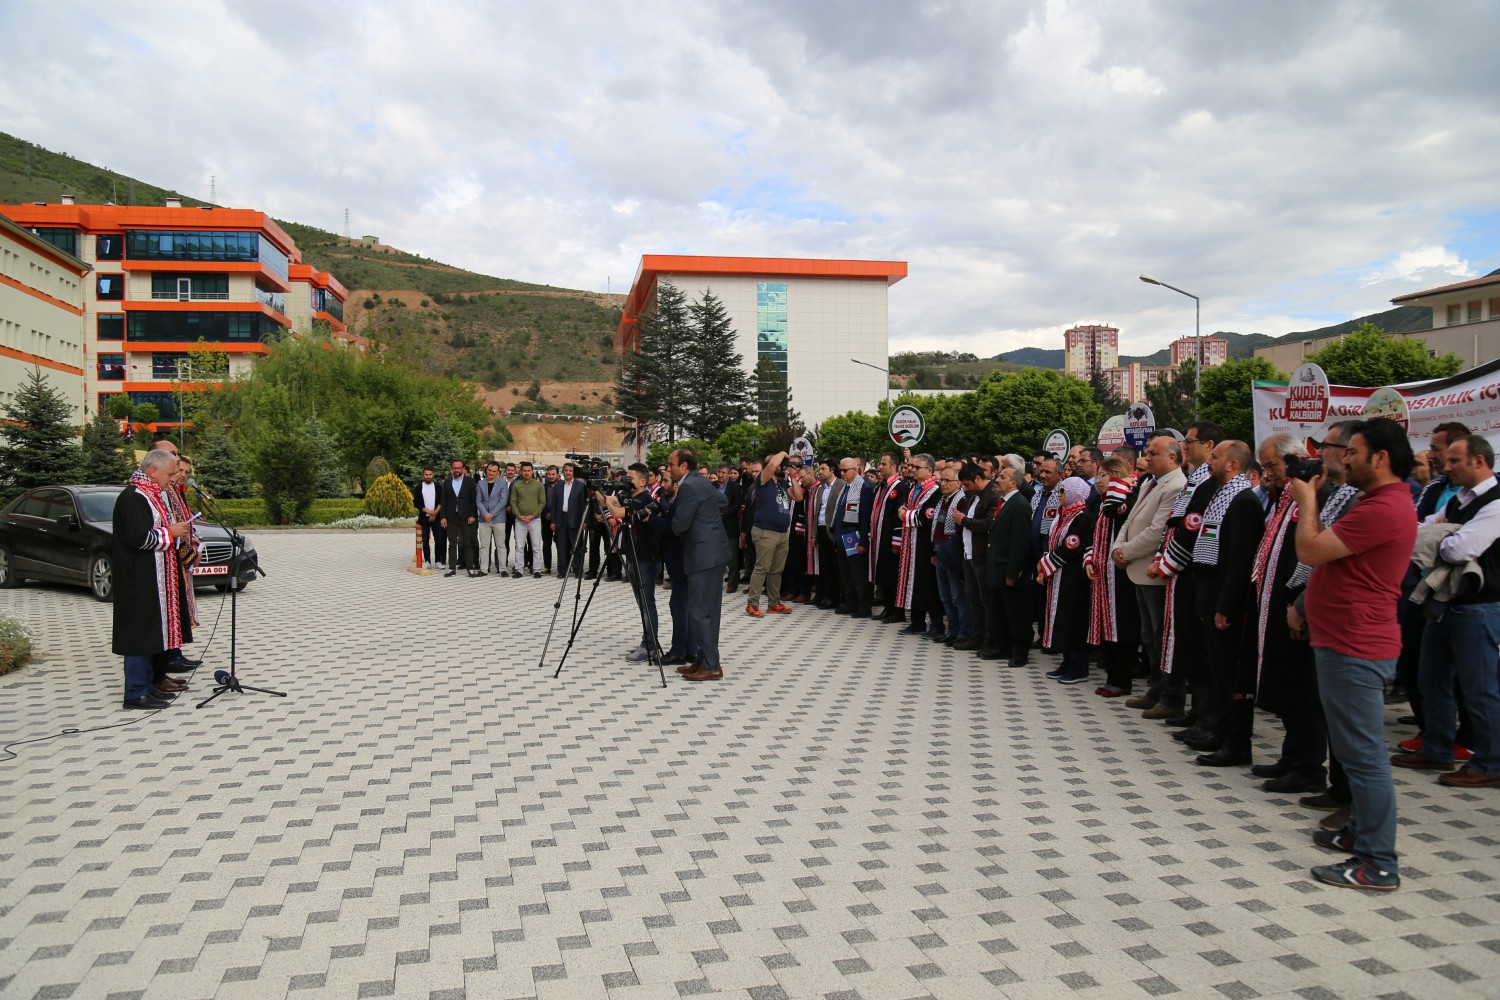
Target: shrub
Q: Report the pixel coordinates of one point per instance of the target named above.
(15, 644)
(389, 497)
(147, 413)
(378, 467)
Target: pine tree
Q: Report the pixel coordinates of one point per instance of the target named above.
(329, 474)
(782, 423)
(220, 467)
(442, 443)
(1173, 402)
(37, 446)
(1103, 389)
(651, 381)
(102, 459)
(714, 387)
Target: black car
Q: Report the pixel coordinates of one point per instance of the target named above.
(64, 534)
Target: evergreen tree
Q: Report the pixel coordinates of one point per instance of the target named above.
(220, 467)
(37, 446)
(652, 376)
(714, 388)
(1173, 402)
(330, 478)
(444, 441)
(1103, 389)
(781, 421)
(102, 460)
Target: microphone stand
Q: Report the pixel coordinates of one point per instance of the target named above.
(237, 557)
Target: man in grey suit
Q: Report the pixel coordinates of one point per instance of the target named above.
(697, 516)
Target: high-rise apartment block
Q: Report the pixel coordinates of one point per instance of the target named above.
(1215, 351)
(1090, 349)
(156, 281)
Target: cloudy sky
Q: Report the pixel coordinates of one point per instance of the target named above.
(1292, 163)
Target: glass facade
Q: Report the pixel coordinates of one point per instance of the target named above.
(165, 403)
(154, 244)
(770, 323)
(246, 327)
(164, 363)
(111, 367)
(66, 240)
(271, 300)
(200, 286)
(109, 246)
(324, 301)
(109, 287)
(111, 326)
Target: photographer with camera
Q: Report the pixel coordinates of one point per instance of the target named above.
(639, 541)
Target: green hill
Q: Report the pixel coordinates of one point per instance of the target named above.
(447, 319)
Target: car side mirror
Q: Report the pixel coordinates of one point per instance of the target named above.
(68, 521)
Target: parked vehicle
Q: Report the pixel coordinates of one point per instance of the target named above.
(65, 534)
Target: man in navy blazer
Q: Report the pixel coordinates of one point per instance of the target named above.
(854, 502)
(459, 513)
(572, 494)
(697, 518)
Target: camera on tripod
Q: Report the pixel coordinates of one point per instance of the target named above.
(595, 474)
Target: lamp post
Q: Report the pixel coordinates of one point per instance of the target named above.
(637, 421)
(1197, 333)
(887, 378)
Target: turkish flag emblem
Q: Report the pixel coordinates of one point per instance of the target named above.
(1193, 522)
(1072, 541)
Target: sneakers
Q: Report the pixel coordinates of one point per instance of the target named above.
(1334, 840)
(1053, 675)
(1414, 745)
(1066, 679)
(637, 655)
(779, 609)
(1356, 874)
(754, 611)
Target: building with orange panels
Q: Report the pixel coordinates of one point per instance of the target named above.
(1091, 348)
(1130, 381)
(41, 315)
(1215, 351)
(164, 279)
(808, 317)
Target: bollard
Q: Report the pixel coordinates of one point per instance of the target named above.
(416, 566)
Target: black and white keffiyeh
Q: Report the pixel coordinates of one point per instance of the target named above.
(1337, 506)
(1206, 552)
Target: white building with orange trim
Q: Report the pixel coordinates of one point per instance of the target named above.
(41, 316)
(811, 317)
(165, 278)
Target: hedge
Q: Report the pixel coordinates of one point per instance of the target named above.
(245, 513)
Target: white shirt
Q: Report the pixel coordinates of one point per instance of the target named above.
(458, 484)
(567, 488)
(1473, 539)
(429, 496)
(969, 535)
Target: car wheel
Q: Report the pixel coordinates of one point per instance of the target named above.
(8, 576)
(102, 577)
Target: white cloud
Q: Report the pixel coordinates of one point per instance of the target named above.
(1291, 163)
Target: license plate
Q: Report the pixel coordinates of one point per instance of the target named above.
(220, 570)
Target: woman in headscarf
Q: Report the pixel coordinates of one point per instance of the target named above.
(1114, 622)
(1065, 613)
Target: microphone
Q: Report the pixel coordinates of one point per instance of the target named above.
(194, 484)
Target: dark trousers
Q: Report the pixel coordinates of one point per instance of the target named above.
(1009, 618)
(1303, 745)
(854, 575)
(683, 643)
(830, 583)
(747, 559)
(433, 536)
(1211, 691)
(463, 544)
(599, 538)
(567, 558)
(1119, 664)
(795, 580)
(977, 592)
(732, 571)
(705, 599)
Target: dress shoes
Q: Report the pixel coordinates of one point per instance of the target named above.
(1141, 701)
(183, 662)
(970, 643)
(1323, 801)
(1209, 744)
(689, 667)
(160, 694)
(171, 684)
(1019, 659)
(1224, 757)
(825, 605)
(146, 703)
(951, 640)
(700, 674)
(1292, 783)
(1418, 761)
(473, 573)
(1160, 711)
(912, 629)
(937, 636)
(730, 588)
(674, 659)
(535, 576)
(844, 611)
(1111, 692)
(1337, 820)
(991, 653)
(1276, 770)
(451, 572)
(1186, 720)
(515, 574)
(1467, 777)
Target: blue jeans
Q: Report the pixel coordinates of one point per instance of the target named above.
(1463, 647)
(137, 677)
(1353, 695)
(951, 592)
(645, 578)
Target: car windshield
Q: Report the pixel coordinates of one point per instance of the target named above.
(98, 505)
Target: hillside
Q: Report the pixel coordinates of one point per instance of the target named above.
(451, 321)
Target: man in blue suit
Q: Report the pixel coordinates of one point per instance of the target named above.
(697, 518)
(852, 516)
(567, 503)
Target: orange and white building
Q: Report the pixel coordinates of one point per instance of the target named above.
(810, 317)
(1215, 351)
(41, 315)
(162, 280)
(1130, 381)
(1091, 348)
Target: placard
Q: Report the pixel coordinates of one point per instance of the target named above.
(1307, 397)
(907, 426)
(1058, 443)
(1140, 423)
(1111, 433)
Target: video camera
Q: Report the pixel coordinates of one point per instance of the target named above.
(1305, 469)
(595, 473)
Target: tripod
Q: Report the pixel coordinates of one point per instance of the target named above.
(632, 573)
(238, 558)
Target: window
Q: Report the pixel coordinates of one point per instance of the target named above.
(770, 342)
(190, 326)
(109, 287)
(1476, 311)
(164, 363)
(151, 244)
(109, 246)
(111, 367)
(65, 240)
(1455, 315)
(193, 286)
(111, 326)
(165, 403)
(1494, 308)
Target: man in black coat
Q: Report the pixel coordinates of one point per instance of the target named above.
(427, 493)
(150, 585)
(567, 503)
(460, 518)
(1008, 571)
(729, 487)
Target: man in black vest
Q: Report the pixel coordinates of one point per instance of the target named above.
(1461, 647)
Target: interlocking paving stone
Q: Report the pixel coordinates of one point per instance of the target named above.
(431, 814)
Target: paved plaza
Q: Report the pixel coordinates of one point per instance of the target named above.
(848, 814)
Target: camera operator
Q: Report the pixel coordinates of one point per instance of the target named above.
(640, 542)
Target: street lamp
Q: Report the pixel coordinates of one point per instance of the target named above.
(1197, 333)
(637, 421)
(887, 378)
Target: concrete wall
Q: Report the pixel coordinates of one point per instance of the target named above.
(37, 331)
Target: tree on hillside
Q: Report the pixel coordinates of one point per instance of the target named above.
(102, 458)
(715, 389)
(651, 376)
(1227, 396)
(37, 446)
(1172, 401)
(1367, 357)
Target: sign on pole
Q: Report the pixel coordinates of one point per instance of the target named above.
(1388, 404)
(907, 426)
(1111, 433)
(1307, 397)
(1058, 444)
(1139, 423)
(802, 448)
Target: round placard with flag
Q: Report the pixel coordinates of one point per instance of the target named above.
(907, 426)
(1058, 444)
